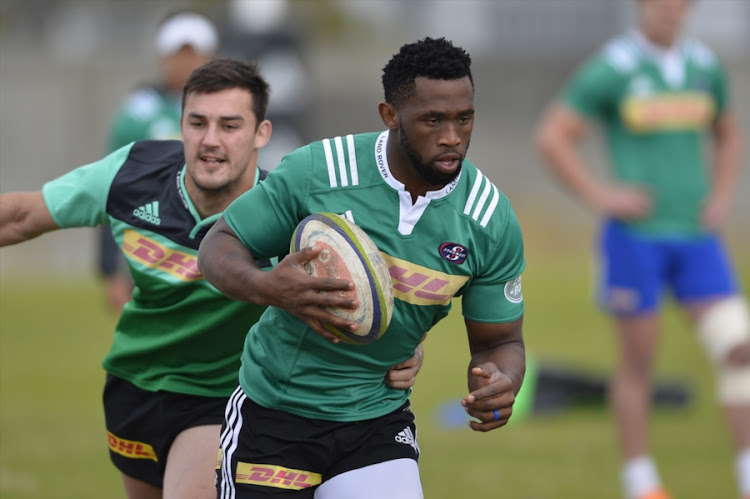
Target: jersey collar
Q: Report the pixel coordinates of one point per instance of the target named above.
(671, 61)
(188, 203)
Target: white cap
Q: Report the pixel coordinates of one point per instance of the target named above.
(190, 29)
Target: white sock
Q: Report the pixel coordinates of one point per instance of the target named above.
(742, 467)
(639, 477)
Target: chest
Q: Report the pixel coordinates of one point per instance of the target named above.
(667, 97)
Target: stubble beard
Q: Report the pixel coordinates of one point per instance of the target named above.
(425, 170)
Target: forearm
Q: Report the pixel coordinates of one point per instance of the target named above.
(229, 267)
(569, 166)
(726, 159)
(23, 216)
(557, 142)
(510, 359)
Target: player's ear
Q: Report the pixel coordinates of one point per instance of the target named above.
(263, 133)
(388, 115)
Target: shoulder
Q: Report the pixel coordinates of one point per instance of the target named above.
(700, 54)
(483, 203)
(621, 54)
(152, 161)
(350, 146)
(340, 161)
(157, 151)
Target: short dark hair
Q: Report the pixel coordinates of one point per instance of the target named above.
(434, 58)
(225, 74)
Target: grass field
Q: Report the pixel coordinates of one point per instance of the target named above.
(52, 441)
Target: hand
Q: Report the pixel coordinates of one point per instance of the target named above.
(403, 376)
(494, 396)
(291, 288)
(119, 291)
(623, 202)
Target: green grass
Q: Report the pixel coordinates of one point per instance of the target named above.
(53, 444)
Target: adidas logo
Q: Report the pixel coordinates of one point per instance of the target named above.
(149, 213)
(406, 436)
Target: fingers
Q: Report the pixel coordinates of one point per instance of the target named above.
(492, 403)
(319, 328)
(491, 420)
(398, 381)
(303, 257)
(402, 376)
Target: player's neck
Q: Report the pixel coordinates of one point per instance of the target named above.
(210, 202)
(658, 41)
(403, 171)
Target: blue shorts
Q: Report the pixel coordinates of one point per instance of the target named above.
(636, 269)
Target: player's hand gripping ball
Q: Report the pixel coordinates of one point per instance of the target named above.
(348, 253)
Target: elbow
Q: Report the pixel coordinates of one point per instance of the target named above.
(544, 142)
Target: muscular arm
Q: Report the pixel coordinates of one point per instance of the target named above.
(230, 267)
(496, 369)
(726, 160)
(557, 140)
(23, 216)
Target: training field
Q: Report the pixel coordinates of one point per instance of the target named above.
(53, 444)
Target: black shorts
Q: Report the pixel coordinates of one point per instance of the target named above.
(266, 452)
(142, 425)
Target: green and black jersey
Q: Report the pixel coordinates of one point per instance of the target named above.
(178, 333)
(461, 241)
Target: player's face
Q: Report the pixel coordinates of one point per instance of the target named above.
(221, 140)
(435, 128)
(662, 20)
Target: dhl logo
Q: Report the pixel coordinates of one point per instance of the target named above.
(420, 285)
(276, 476)
(131, 448)
(152, 254)
(688, 110)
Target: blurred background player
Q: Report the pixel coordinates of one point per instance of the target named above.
(183, 42)
(658, 94)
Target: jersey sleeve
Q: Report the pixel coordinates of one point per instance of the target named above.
(79, 198)
(494, 296)
(278, 202)
(591, 91)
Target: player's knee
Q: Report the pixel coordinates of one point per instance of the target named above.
(724, 331)
(734, 385)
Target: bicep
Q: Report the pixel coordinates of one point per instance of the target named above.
(560, 121)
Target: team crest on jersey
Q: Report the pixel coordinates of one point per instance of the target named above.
(513, 290)
(453, 253)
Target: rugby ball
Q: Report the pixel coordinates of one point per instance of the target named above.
(349, 253)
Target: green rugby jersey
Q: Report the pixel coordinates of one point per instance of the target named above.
(178, 333)
(463, 240)
(148, 113)
(655, 123)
